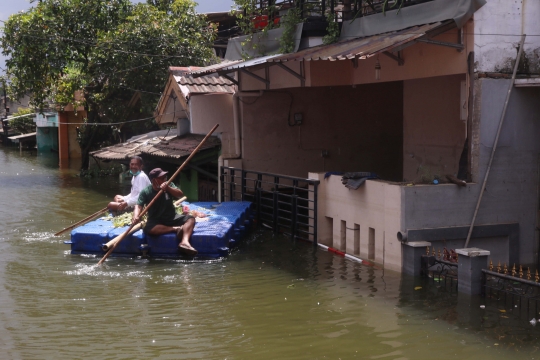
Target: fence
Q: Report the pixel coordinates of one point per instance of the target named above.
(440, 271)
(509, 287)
(284, 203)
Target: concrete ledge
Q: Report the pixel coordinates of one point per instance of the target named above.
(479, 231)
(423, 244)
(472, 252)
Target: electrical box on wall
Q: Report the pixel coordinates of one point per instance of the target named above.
(298, 118)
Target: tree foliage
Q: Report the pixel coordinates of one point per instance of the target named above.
(106, 49)
(23, 124)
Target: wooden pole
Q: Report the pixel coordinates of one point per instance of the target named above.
(111, 243)
(83, 221)
(145, 210)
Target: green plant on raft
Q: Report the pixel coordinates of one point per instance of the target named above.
(122, 219)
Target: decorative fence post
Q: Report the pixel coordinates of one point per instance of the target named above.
(412, 256)
(470, 264)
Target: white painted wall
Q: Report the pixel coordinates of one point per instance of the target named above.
(498, 26)
(376, 205)
(210, 109)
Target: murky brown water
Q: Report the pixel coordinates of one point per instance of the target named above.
(271, 299)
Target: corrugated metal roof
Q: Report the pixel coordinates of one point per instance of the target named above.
(251, 62)
(23, 136)
(214, 68)
(169, 147)
(360, 48)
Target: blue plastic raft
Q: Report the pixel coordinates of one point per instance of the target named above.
(213, 238)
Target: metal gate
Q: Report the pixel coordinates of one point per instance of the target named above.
(284, 203)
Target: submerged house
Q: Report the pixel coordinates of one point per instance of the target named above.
(183, 100)
(412, 96)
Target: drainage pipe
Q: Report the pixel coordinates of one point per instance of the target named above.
(236, 119)
(501, 121)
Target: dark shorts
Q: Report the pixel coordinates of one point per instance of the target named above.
(178, 220)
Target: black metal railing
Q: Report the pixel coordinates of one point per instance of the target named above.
(512, 291)
(440, 271)
(311, 9)
(286, 204)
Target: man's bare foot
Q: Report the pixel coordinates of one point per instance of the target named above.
(187, 249)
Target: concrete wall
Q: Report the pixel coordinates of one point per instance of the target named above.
(433, 131)
(68, 147)
(209, 110)
(511, 195)
(47, 139)
(361, 129)
(349, 219)
(498, 26)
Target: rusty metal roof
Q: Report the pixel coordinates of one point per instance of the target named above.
(214, 68)
(359, 48)
(362, 48)
(166, 147)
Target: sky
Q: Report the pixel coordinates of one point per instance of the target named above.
(8, 7)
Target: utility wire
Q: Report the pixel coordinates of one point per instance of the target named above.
(116, 123)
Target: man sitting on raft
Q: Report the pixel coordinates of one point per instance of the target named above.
(162, 216)
(138, 182)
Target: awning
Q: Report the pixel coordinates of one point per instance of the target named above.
(366, 47)
(213, 68)
(459, 11)
(156, 144)
(23, 137)
(361, 48)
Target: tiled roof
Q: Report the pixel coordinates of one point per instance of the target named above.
(205, 84)
(167, 147)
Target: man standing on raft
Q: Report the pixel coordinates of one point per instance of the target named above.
(162, 216)
(138, 182)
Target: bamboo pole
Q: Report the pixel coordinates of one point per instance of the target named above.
(145, 210)
(179, 201)
(111, 243)
(83, 221)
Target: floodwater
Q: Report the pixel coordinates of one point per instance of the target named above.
(270, 299)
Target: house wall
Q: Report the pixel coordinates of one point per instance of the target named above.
(279, 78)
(512, 190)
(360, 129)
(347, 217)
(209, 110)
(47, 139)
(433, 131)
(68, 147)
(498, 26)
(421, 61)
(173, 111)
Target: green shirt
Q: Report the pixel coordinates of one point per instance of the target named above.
(163, 207)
